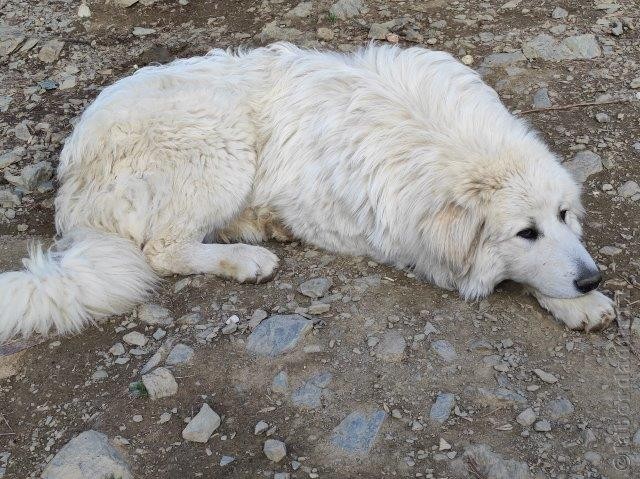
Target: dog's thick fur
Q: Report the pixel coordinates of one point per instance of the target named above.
(405, 156)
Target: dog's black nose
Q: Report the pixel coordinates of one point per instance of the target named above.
(588, 281)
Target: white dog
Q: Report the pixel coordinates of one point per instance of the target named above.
(405, 156)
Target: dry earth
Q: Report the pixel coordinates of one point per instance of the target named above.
(383, 345)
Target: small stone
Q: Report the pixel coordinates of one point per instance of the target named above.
(190, 319)
(584, 164)
(83, 11)
(274, 450)
(137, 418)
(358, 431)
(159, 334)
(442, 407)
(160, 383)
(443, 445)
(318, 308)
(229, 328)
(273, 32)
(154, 314)
(467, 60)
(391, 348)
(50, 51)
(302, 10)
(610, 250)
(202, 426)
(560, 408)
(117, 349)
(545, 376)
(379, 31)
(135, 338)
(526, 418)
(316, 288)
(541, 98)
(325, 34)
(225, 460)
(100, 375)
(164, 417)
(89, 454)
(629, 189)
(260, 427)
(280, 383)
(444, 350)
(180, 354)
(12, 156)
(602, 118)
(635, 83)
(282, 475)
(559, 13)
(593, 458)
(141, 31)
(309, 395)
(542, 426)
(278, 334)
(344, 9)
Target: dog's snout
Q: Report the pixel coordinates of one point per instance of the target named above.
(588, 281)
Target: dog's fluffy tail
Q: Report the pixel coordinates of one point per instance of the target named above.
(90, 275)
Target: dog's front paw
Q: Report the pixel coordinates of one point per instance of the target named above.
(590, 312)
(251, 264)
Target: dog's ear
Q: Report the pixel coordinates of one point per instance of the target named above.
(457, 232)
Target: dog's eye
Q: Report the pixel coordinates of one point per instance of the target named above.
(529, 234)
(563, 216)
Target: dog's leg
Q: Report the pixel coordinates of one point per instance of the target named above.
(590, 312)
(242, 262)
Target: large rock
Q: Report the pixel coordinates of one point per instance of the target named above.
(88, 455)
(358, 431)
(278, 334)
(202, 426)
(578, 47)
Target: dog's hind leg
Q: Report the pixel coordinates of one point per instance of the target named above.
(242, 262)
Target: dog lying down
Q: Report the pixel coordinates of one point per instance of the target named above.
(404, 156)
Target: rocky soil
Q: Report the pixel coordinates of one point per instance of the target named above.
(339, 367)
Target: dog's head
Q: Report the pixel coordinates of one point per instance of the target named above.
(537, 216)
(517, 217)
(531, 231)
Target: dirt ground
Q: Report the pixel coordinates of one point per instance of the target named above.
(483, 353)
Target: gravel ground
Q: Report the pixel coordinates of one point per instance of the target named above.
(364, 372)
